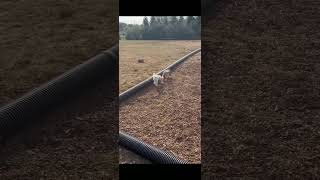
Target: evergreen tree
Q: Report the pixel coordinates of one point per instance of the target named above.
(174, 20)
(152, 20)
(181, 20)
(165, 20)
(196, 26)
(190, 19)
(145, 22)
(134, 32)
(164, 27)
(158, 20)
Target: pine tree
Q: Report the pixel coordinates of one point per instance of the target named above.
(152, 20)
(174, 20)
(145, 22)
(158, 20)
(164, 27)
(197, 26)
(165, 20)
(181, 20)
(190, 19)
(198, 20)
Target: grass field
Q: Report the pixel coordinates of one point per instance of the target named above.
(155, 54)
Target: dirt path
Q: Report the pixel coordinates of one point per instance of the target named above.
(169, 120)
(75, 141)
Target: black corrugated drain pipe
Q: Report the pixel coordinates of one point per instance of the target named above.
(147, 151)
(23, 111)
(141, 148)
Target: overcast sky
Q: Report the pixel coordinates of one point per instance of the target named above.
(131, 19)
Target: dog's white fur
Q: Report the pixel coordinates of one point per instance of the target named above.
(157, 79)
(166, 73)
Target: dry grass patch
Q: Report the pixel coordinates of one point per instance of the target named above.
(155, 56)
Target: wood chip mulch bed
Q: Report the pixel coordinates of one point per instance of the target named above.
(129, 157)
(40, 40)
(261, 95)
(169, 117)
(74, 141)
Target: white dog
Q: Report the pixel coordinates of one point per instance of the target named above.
(157, 79)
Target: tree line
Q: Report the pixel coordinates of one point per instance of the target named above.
(163, 27)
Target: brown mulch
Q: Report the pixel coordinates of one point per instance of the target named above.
(41, 39)
(261, 104)
(77, 140)
(169, 118)
(128, 157)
